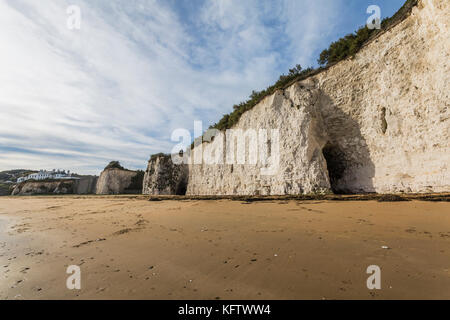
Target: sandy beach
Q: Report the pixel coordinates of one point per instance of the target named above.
(131, 248)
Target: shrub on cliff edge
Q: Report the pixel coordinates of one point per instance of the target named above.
(114, 165)
(337, 51)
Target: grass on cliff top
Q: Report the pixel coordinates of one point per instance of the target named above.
(116, 165)
(339, 50)
(158, 155)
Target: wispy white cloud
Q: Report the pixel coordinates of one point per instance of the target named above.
(136, 71)
(309, 25)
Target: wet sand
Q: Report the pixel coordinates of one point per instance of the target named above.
(131, 248)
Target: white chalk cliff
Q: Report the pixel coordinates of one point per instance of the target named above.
(376, 122)
(163, 177)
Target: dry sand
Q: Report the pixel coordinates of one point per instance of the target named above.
(130, 248)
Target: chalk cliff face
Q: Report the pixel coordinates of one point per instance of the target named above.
(378, 122)
(163, 177)
(295, 163)
(118, 181)
(387, 110)
(84, 185)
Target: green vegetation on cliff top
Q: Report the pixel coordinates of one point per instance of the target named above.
(114, 165)
(339, 50)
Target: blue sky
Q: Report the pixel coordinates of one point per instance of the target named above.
(137, 70)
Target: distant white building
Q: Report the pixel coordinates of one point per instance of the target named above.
(47, 175)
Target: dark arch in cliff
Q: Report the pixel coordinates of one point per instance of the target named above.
(181, 188)
(349, 165)
(336, 165)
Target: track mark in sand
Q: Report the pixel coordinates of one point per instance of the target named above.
(128, 230)
(24, 270)
(267, 231)
(16, 284)
(54, 207)
(311, 210)
(21, 228)
(115, 205)
(123, 231)
(33, 253)
(88, 242)
(365, 222)
(141, 222)
(65, 217)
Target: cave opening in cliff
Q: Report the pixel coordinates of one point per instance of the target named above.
(335, 159)
(181, 189)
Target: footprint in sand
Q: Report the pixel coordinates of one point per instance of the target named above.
(24, 270)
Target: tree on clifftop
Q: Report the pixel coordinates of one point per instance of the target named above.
(114, 165)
